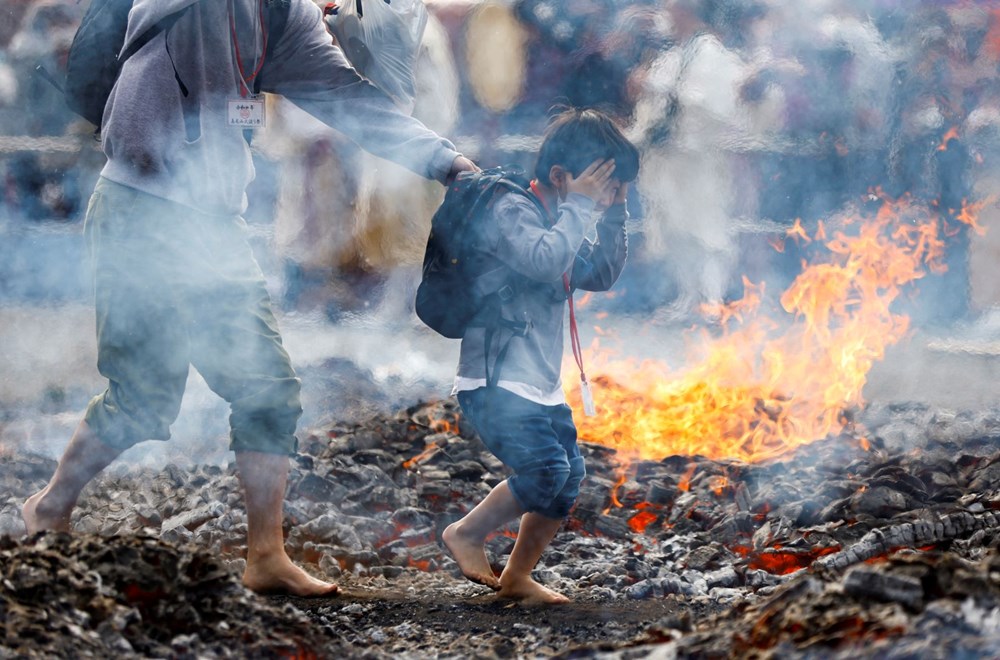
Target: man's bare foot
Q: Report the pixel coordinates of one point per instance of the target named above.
(39, 515)
(470, 556)
(278, 575)
(529, 592)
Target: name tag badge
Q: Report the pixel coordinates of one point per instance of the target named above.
(246, 113)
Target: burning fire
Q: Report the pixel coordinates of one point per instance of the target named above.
(774, 379)
(437, 426)
(951, 134)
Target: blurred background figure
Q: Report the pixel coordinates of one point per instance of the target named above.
(350, 228)
(689, 121)
(584, 53)
(753, 114)
(943, 76)
(40, 184)
(835, 125)
(982, 130)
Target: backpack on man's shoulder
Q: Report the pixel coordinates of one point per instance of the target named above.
(446, 300)
(95, 55)
(92, 64)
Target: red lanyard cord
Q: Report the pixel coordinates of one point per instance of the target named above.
(574, 335)
(244, 79)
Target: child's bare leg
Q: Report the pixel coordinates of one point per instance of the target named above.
(534, 535)
(84, 457)
(466, 538)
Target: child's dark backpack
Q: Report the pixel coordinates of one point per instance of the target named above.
(446, 299)
(95, 55)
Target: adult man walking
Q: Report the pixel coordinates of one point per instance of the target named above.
(175, 281)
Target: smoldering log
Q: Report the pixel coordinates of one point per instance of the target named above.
(911, 535)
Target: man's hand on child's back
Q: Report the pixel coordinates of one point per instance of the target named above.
(459, 165)
(594, 182)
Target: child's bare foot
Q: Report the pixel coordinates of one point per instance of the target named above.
(470, 556)
(39, 515)
(278, 575)
(529, 592)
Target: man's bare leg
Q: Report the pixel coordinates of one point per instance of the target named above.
(269, 570)
(534, 535)
(84, 457)
(466, 538)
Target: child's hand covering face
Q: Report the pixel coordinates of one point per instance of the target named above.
(614, 194)
(620, 192)
(595, 182)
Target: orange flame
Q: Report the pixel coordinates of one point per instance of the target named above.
(718, 484)
(443, 426)
(969, 214)
(768, 383)
(439, 425)
(952, 133)
(797, 232)
(684, 485)
(428, 451)
(614, 489)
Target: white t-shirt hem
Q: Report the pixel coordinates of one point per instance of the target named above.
(554, 398)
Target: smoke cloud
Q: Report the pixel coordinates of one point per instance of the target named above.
(750, 115)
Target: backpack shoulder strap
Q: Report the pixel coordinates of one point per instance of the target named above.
(517, 187)
(163, 24)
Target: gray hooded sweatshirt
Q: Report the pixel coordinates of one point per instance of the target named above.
(165, 127)
(529, 249)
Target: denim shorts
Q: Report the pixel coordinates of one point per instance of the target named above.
(538, 443)
(176, 288)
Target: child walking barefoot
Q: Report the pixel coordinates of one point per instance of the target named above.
(508, 382)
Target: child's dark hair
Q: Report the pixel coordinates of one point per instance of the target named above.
(577, 137)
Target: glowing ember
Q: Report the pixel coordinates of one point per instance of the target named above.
(443, 426)
(770, 382)
(640, 521)
(779, 561)
(419, 564)
(438, 426)
(504, 531)
(429, 451)
(718, 484)
(684, 485)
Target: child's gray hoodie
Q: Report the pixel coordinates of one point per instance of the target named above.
(165, 128)
(524, 244)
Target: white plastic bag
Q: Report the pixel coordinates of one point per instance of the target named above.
(381, 39)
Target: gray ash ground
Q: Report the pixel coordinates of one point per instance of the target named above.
(426, 621)
(847, 548)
